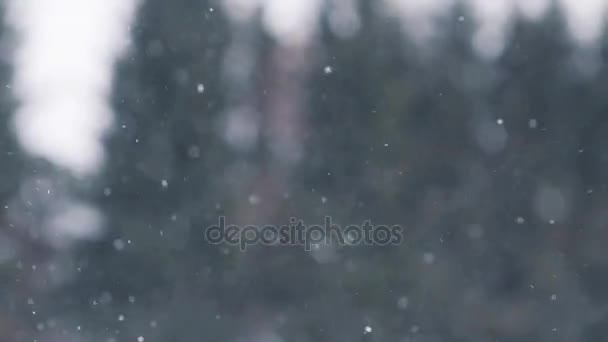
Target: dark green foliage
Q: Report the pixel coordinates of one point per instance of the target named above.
(435, 138)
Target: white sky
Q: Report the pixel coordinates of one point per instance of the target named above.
(584, 18)
(293, 22)
(63, 74)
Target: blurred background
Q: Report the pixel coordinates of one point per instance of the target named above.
(130, 126)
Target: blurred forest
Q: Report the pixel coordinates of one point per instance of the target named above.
(496, 167)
